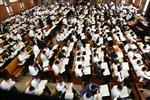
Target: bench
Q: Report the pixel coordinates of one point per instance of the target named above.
(13, 70)
(137, 93)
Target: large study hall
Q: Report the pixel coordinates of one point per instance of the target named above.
(75, 49)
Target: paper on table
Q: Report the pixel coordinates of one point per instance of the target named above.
(104, 90)
(45, 63)
(109, 38)
(133, 46)
(87, 70)
(125, 65)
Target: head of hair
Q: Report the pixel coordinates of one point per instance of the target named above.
(115, 62)
(94, 50)
(119, 86)
(84, 53)
(138, 62)
(78, 58)
(134, 57)
(95, 54)
(88, 94)
(78, 53)
(79, 66)
(99, 62)
(31, 88)
(83, 58)
(63, 51)
(43, 51)
(93, 87)
(57, 62)
(119, 68)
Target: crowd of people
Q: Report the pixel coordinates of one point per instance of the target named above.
(88, 39)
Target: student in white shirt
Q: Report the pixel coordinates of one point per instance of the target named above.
(119, 91)
(143, 74)
(19, 37)
(31, 33)
(69, 94)
(23, 56)
(7, 84)
(56, 67)
(98, 95)
(33, 70)
(61, 87)
(35, 82)
(96, 58)
(36, 50)
(79, 71)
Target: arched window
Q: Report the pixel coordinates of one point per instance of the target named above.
(22, 4)
(1, 2)
(146, 5)
(13, 0)
(8, 8)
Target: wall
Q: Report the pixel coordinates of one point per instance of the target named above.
(16, 7)
(27, 4)
(3, 13)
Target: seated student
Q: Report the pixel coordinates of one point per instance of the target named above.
(61, 54)
(96, 58)
(143, 74)
(79, 71)
(92, 87)
(33, 70)
(120, 73)
(56, 67)
(35, 82)
(7, 84)
(100, 40)
(119, 91)
(32, 33)
(36, 50)
(43, 57)
(70, 93)
(61, 87)
(23, 56)
(98, 95)
(46, 52)
(44, 60)
(18, 36)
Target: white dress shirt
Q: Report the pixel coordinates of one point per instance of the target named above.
(36, 50)
(119, 93)
(97, 96)
(61, 86)
(23, 56)
(56, 69)
(19, 37)
(142, 74)
(7, 84)
(31, 33)
(33, 71)
(78, 72)
(35, 83)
